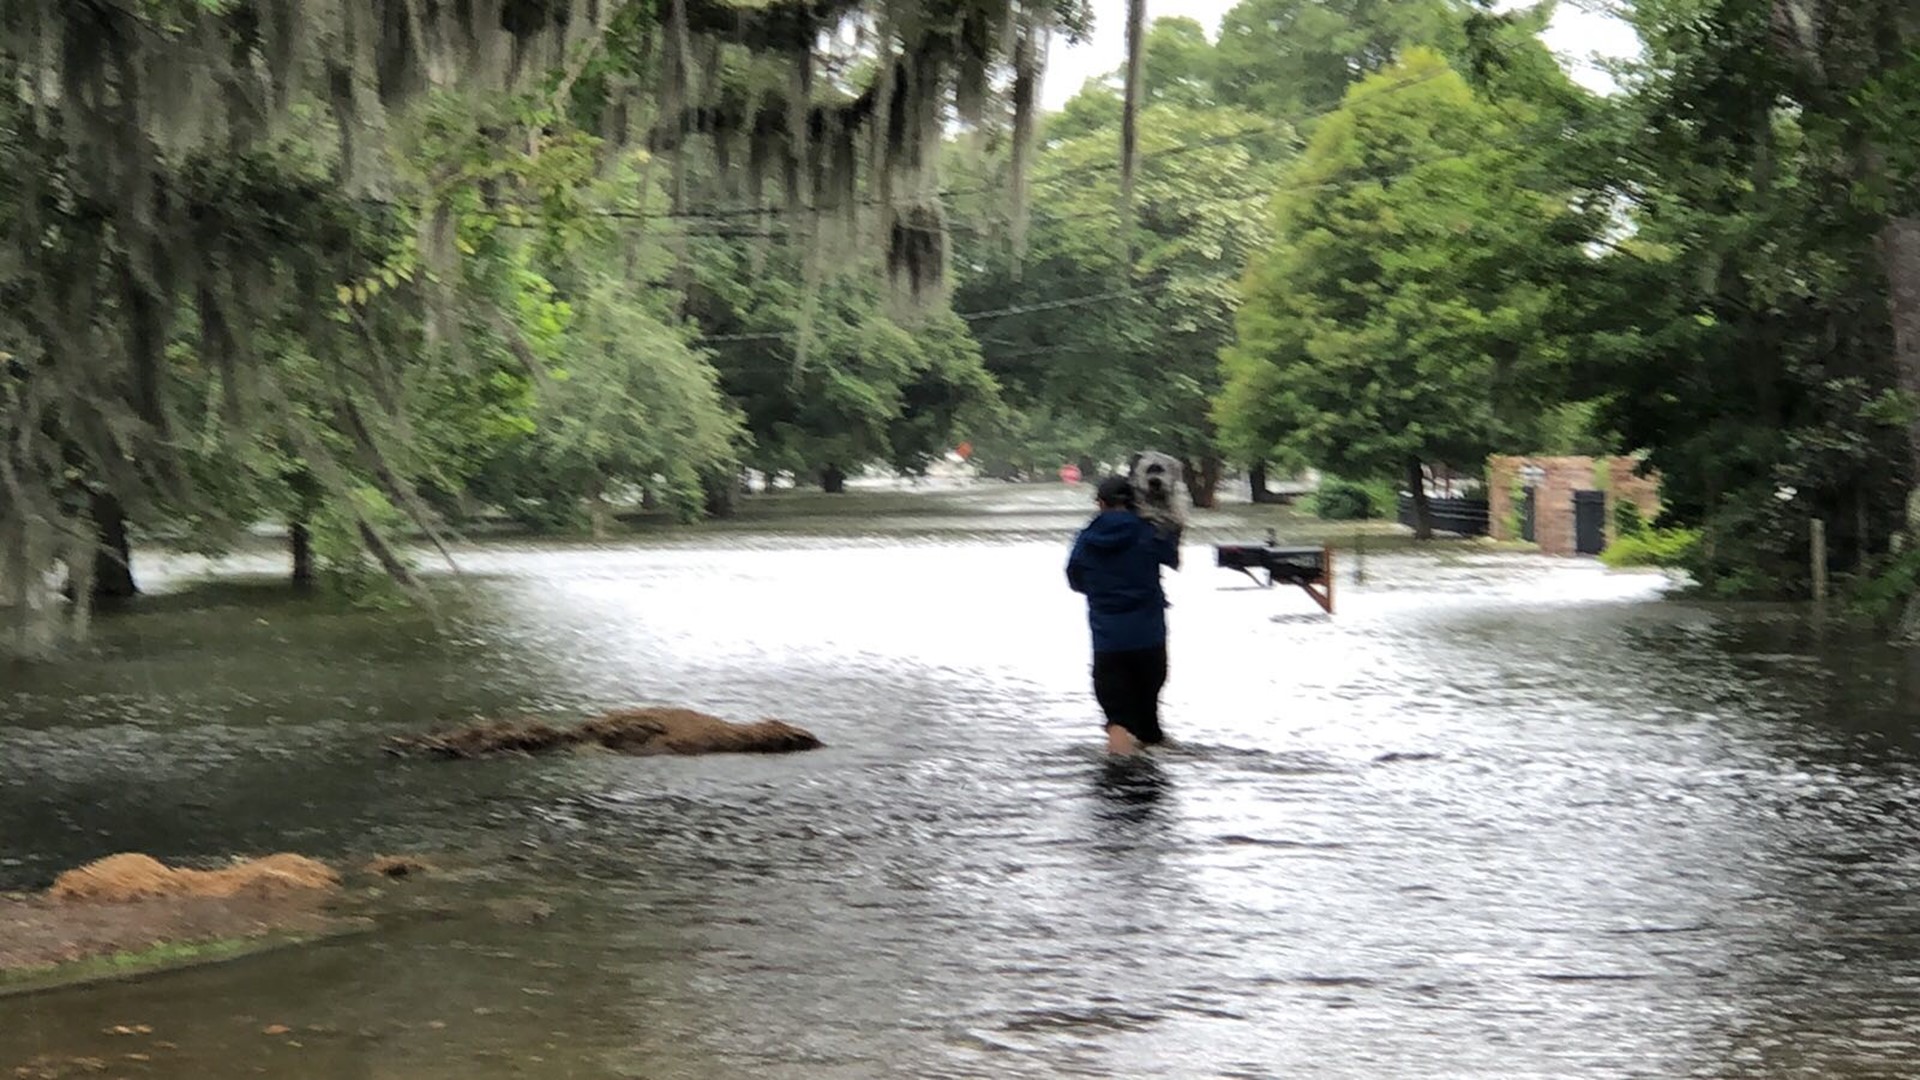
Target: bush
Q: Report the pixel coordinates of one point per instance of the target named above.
(1627, 520)
(1652, 547)
(1753, 548)
(1882, 592)
(341, 558)
(1344, 500)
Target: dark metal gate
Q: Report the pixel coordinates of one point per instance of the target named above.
(1526, 514)
(1589, 522)
(1464, 517)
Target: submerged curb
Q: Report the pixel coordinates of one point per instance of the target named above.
(162, 959)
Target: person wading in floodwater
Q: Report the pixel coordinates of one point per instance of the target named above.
(1116, 563)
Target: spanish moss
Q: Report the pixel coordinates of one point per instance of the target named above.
(203, 201)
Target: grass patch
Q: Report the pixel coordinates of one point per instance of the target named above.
(164, 956)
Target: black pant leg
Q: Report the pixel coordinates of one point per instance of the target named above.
(1110, 686)
(1127, 685)
(1152, 675)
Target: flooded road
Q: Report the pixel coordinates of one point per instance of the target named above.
(1501, 817)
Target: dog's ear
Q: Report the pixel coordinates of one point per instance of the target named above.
(1133, 462)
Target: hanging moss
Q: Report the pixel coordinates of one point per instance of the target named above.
(917, 248)
(138, 210)
(877, 147)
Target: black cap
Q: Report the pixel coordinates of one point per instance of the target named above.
(1116, 490)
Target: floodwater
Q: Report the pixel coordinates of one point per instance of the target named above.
(1501, 817)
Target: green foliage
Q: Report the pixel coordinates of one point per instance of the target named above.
(824, 375)
(342, 561)
(1347, 500)
(1883, 590)
(1570, 429)
(634, 407)
(474, 294)
(1627, 519)
(628, 402)
(1653, 547)
(1403, 313)
(1035, 440)
(1283, 58)
(265, 259)
(1181, 64)
(1125, 361)
(1741, 331)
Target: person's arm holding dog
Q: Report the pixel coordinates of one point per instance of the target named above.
(1166, 542)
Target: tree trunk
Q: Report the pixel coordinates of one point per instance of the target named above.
(1862, 545)
(1422, 511)
(1130, 117)
(1900, 259)
(1257, 484)
(833, 480)
(1203, 482)
(300, 540)
(719, 495)
(596, 495)
(113, 558)
(649, 498)
(306, 496)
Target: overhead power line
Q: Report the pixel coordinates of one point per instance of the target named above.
(970, 316)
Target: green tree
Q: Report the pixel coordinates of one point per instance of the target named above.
(1399, 318)
(1125, 344)
(1286, 58)
(1182, 67)
(828, 380)
(619, 399)
(344, 384)
(1741, 330)
(630, 406)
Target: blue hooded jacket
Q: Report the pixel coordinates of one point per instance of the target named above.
(1116, 562)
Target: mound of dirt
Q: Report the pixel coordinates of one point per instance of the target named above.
(270, 876)
(630, 731)
(683, 731)
(487, 739)
(116, 879)
(120, 879)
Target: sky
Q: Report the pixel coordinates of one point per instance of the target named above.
(1574, 35)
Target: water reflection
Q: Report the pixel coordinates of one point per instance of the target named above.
(1131, 790)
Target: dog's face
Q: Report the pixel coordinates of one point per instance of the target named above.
(1156, 477)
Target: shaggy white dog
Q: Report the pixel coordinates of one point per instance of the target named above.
(1158, 493)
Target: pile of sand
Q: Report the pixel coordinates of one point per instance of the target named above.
(683, 731)
(120, 879)
(486, 739)
(631, 731)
